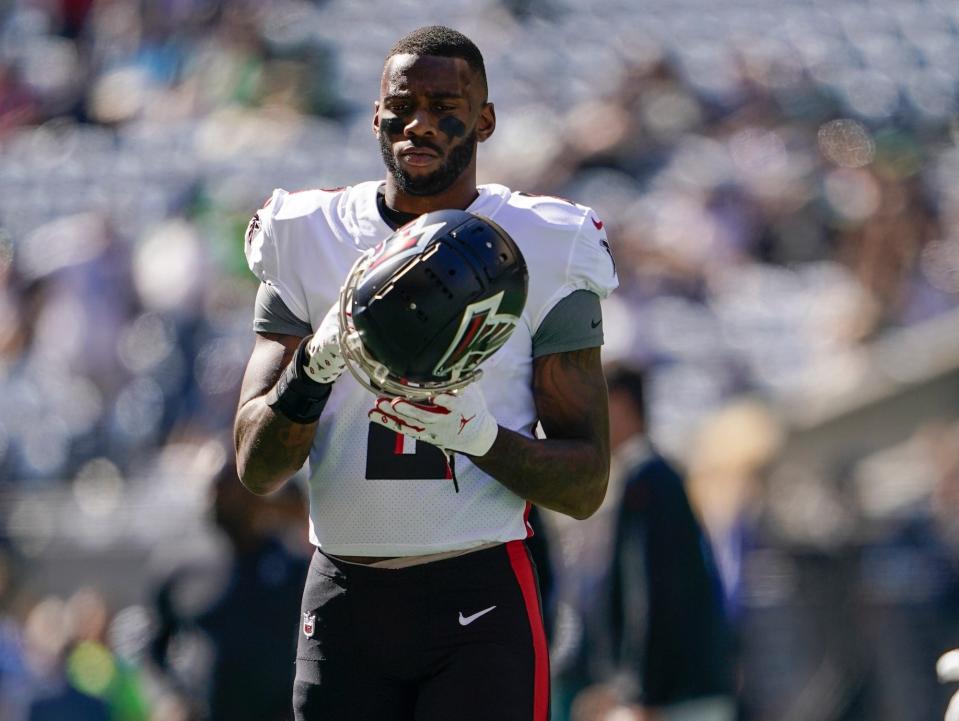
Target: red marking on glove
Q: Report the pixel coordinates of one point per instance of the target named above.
(387, 417)
(463, 421)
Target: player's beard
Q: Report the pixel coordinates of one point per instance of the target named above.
(440, 179)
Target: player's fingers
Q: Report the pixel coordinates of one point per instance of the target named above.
(404, 405)
(394, 422)
(384, 420)
(446, 401)
(387, 406)
(425, 413)
(416, 418)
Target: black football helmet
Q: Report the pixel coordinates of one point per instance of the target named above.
(424, 308)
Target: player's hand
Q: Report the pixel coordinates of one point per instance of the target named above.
(323, 362)
(454, 422)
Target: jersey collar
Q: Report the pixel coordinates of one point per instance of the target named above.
(489, 200)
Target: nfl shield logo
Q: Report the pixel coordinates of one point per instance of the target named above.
(309, 624)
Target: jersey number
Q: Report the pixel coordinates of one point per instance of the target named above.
(393, 456)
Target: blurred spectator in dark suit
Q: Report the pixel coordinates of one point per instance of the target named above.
(227, 624)
(661, 643)
(540, 548)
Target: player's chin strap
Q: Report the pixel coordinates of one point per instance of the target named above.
(369, 372)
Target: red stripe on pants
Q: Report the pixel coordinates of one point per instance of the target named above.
(523, 570)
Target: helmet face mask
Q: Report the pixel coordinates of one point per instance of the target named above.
(423, 309)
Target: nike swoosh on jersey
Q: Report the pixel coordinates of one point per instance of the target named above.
(467, 620)
(598, 224)
(595, 323)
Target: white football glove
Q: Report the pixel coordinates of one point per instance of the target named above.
(324, 362)
(454, 422)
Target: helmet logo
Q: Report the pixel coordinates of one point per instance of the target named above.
(481, 333)
(407, 241)
(471, 280)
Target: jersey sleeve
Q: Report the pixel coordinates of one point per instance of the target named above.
(272, 260)
(589, 265)
(271, 315)
(574, 323)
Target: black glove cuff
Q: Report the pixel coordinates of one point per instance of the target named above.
(295, 395)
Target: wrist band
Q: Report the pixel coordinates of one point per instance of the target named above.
(295, 395)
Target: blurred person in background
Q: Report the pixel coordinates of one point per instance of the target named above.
(422, 600)
(51, 694)
(73, 674)
(226, 624)
(659, 644)
(14, 670)
(726, 481)
(907, 588)
(93, 666)
(730, 454)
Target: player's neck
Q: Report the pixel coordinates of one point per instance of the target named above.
(458, 196)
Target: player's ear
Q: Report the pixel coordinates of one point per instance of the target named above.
(486, 123)
(376, 118)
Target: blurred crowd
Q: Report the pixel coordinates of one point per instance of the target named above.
(210, 636)
(781, 183)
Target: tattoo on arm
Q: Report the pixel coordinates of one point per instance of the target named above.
(269, 447)
(569, 470)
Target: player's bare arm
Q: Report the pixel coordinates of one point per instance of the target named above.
(270, 448)
(569, 470)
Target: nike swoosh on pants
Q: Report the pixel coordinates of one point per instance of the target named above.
(467, 620)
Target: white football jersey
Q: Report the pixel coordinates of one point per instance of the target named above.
(372, 492)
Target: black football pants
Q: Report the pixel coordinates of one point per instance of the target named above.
(460, 639)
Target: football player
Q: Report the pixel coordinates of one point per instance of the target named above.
(421, 601)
